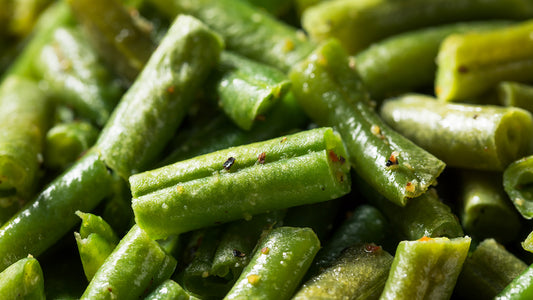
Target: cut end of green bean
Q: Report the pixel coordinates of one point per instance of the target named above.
(514, 135)
(518, 184)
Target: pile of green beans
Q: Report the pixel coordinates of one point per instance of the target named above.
(266, 149)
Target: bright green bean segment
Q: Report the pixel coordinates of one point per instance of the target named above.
(22, 280)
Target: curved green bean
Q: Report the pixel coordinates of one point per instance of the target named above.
(518, 184)
(330, 92)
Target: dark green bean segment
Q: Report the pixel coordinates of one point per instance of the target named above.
(482, 137)
(425, 215)
(426, 268)
(518, 184)
(65, 142)
(468, 65)
(117, 208)
(487, 271)
(246, 90)
(485, 208)
(358, 24)
(254, 33)
(135, 267)
(359, 273)
(330, 91)
(521, 288)
(319, 216)
(516, 94)
(43, 221)
(114, 35)
(57, 15)
(278, 265)
(25, 113)
(76, 77)
(366, 225)
(220, 133)
(239, 182)
(22, 280)
(170, 290)
(406, 62)
(152, 109)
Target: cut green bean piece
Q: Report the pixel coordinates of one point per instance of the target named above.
(302, 168)
(518, 184)
(220, 133)
(114, 35)
(488, 271)
(94, 250)
(405, 62)
(425, 215)
(468, 65)
(76, 77)
(359, 273)
(65, 142)
(55, 16)
(152, 109)
(135, 267)
(43, 221)
(22, 280)
(485, 208)
(278, 265)
(482, 137)
(516, 94)
(254, 33)
(330, 92)
(246, 90)
(521, 288)
(170, 290)
(359, 23)
(426, 268)
(25, 113)
(366, 225)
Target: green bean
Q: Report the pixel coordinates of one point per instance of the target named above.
(319, 216)
(357, 24)
(527, 244)
(76, 77)
(521, 288)
(136, 266)
(254, 33)
(24, 111)
(117, 207)
(276, 7)
(359, 273)
(58, 14)
(170, 290)
(487, 271)
(485, 209)
(44, 220)
(366, 225)
(220, 133)
(468, 65)
(22, 280)
(425, 215)
(239, 182)
(517, 183)
(405, 62)
(154, 106)
(114, 35)
(516, 94)
(426, 268)
(330, 92)
(467, 136)
(65, 142)
(8, 207)
(278, 265)
(246, 90)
